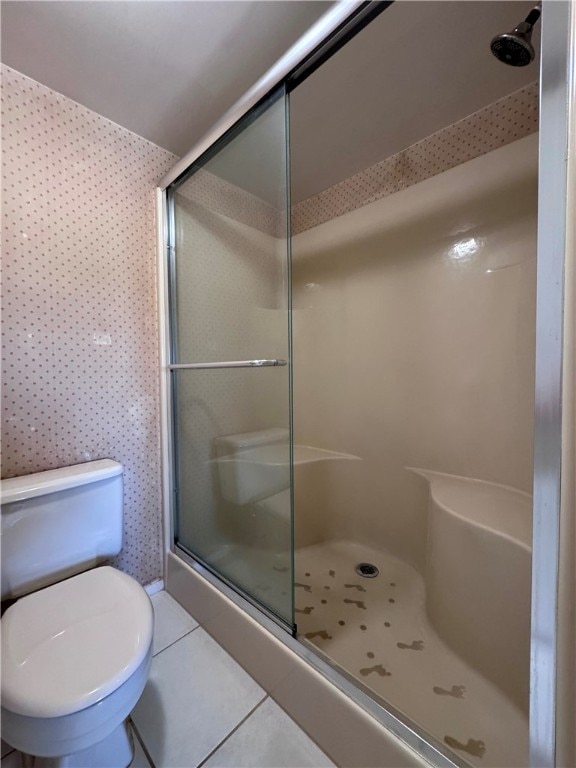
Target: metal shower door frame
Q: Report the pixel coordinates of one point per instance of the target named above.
(557, 92)
(558, 108)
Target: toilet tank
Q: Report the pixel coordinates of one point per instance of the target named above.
(58, 523)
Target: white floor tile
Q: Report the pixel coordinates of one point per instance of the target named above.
(195, 696)
(171, 621)
(5, 747)
(139, 760)
(11, 760)
(268, 739)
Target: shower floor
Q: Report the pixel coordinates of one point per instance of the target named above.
(377, 630)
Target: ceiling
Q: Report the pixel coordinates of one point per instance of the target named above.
(419, 66)
(169, 69)
(165, 69)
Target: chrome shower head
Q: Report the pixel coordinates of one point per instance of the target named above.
(515, 48)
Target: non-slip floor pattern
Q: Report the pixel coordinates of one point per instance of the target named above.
(377, 630)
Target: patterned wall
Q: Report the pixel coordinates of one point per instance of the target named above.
(506, 120)
(79, 308)
(221, 197)
(510, 118)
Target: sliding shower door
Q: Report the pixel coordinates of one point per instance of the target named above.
(230, 328)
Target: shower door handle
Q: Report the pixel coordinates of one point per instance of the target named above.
(229, 364)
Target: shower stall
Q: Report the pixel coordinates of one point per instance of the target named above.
(350, 337)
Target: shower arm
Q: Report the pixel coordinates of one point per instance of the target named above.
(534, 15)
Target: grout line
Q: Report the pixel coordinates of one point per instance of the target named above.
(225, 739)
(155, 587)
(176, 641)
(141, 742)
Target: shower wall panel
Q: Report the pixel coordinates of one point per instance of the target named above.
(414, 343)
(229, 308)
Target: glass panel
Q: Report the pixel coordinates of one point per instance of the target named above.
(414, 190)
(230, 302)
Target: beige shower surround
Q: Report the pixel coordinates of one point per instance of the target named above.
(231, 299)
(414, 322)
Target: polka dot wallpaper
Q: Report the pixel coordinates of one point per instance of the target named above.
(506, 120)
(79, 303)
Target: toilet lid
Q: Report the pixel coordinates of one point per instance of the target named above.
(68, 646)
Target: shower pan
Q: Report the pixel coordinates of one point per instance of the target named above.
(316, 477)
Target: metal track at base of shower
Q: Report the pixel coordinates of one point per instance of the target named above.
(221, 581)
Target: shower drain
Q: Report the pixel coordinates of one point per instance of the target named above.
(367, 570)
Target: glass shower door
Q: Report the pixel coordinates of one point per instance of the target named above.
(230, 326)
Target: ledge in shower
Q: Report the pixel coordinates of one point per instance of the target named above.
(263, 472)
(279, 455)
(478, 576)
(341, 725)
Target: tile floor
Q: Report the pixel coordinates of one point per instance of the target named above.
(200, 708)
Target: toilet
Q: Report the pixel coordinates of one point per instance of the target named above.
(77, 642)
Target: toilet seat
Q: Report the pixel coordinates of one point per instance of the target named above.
(68, 646)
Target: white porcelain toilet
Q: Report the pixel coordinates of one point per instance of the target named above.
(77, 644)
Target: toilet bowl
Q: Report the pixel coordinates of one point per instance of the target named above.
(75, 654)
(75, 659)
